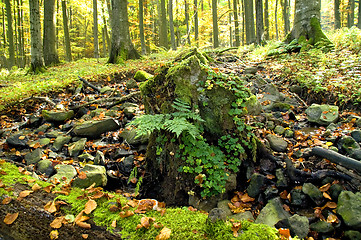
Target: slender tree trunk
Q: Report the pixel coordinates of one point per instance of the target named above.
(66, 32)
(49, 43)
(148, 26)
(359, 15)
(337, 14)
(95, 29)
(4, 26)
(196, 30)
(266, 20)
(163, 38)
(171, 25)
(109, 7)
(21, 54)
(215, 24)
(141, 27)
(37, 62)
(249, 17)
(243, 23)
(16, 40)
(259, 21)
(121, 48)
(236, 23)
(286, 16)
(351, 13)
(276, 19)
(230, 24)
(186, 14)
(10, 35)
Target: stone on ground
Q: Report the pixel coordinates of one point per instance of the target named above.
(93, 129)
(77, 147)
(64, 173)
(277, 143)
(94, 174)
(349, 208)
(272, 213)
(33, 157)
(57, 116)
(322, 114)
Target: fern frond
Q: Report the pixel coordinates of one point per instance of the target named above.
(146, 124)
(179, 125)
(181, 106)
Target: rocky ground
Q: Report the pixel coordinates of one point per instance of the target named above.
(82, 136)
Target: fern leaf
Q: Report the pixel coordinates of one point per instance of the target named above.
(146, 124)
(179, 125)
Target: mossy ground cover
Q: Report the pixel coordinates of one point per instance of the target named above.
(184, 223)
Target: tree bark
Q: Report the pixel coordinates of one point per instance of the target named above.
(337, 14)
(266, 20)
(359, 15)
(66, 32)
(259, 21)
(141, 27)
(10, 35)
(163, 36)
(307, 23)
(249, 18)
(186, 13)
(215, 24)
(196, 30)
(21, 55)
(230, 24)
(351, 13)
(286, 16)
(95, 29)
(49, 41)
(171, 25)
(276, 19)
(37, 62)
(236, 23)
(121, 48)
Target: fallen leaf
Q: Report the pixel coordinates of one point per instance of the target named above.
(113, 208)
(146, 221)
(6, 201)
(84, 225)
(157, 225)
(48, 188)
(85, 236)
(57, 222)
(329, 205)
(325, 195)
(325, 187)
(54, 234)
(10, 218)
(98, 194)
(164, 234)
(82, 175)
(36, 187)
(285, 232)
(132, 203)
(235, 227)
(2, 185)
(283, 195)
(51, 207)
(31, 180)
(126, 214)
(21, 137)
(90, 206)
(192, 209)
(245, 198)
(114, 223)
(332, 218)
(25, 193)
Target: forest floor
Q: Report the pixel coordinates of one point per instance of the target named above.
(309, 77)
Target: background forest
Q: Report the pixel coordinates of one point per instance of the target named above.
(156, 26)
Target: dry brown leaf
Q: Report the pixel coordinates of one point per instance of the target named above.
(6, 201)
(325, 187)
(51, 207)
(126, 214)
(32, 180)
(82, 175)
(85, 236)
(146, 221)
(113, 208)
(245, 198)
(285, 232)
(36, 187)
(235, 227)
(329, 205)
(132, 203)
(84, 225)
(325, 195)
(157, 225)
(54, 234)
(97, 195)
(10, 218)
(21, 137)
(57, 222)
(164, 234)
(25, 193)
(66, 193)
(114, 223)
(2, 185)
(332, 218)
(48, 188)
(90, 206)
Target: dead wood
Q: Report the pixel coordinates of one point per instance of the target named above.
(44, 99)
(89, 84)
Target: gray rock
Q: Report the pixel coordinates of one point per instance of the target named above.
(94, 129)
(348, 144)
(349, 208)
(299, 226)
(358, 122)
(60, 141)
(120, 152)
(224, 206)
(57, 116)
(86, 157)
(279, 130)
(231, 182)
(105, 89)
(247, 215)
(356, 134)
(77, 147)
(313, 192)
(253, 106)
(204, 204)
(131, 83)
(270, 125)
(352, 235)
(42, 142)
(335, 191)
(99, 158)
(43, 128)
(250, 70)
(216, 214)
(33, 157)
(296, 89)
(17, 140)
(94, 174)
(281, 179)
(130, 112)
(141, 76)
(277, 143)
(45, 166)
(331, 127)
(126, 166)
(289, 133)
(130, 136)
(298, 198)
(322, 114)
(255, 186)
(64, 173)
(356, 154)
(272, 213)
(271, 192)
(321, 227)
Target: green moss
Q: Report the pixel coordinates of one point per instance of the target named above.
(319, 38)
(142, 76)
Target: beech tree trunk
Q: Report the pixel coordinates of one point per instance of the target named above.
(196, 31)
(163, 36)
(286, 16)
(236, 23)
(171, 25)
(266, 20)
(215, 24)
(37, 62)
(307, 23)
(21, 54)
(121, 48)
(337, 14)
(186, 13)
(249, 18)
(10, 35)
(359, 15)
(259, 21)
(276, 19)
(141, 27)
(351, 13)
(49, 44)
(95, 29)
(66, 31)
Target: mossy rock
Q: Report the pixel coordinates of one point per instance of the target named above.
(57, 116)
(142, 76)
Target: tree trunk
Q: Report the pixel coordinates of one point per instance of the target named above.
(307, 23)
(66, 31)
(266, 20)
(236, 23)
(49, 41)
(196, 31)
(259, 21)
(21, 55)
(230, 24)
(121, 48)
(163, 35)
(171, 25)
(276, 19)
(243, 22)
(286, 15)
(3, 26)
(337, 14)
(186, 14)
(359, 15)
(10, 35)
(141, 27)
(249, 18)
(95, 29)
(215, 24)
(37, 62)
(351, 13)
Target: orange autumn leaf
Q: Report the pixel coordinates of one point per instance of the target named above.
(10, 218)
(332, 218)
(132, 203)
(82, 175)
(245, 198)
(6, 201)
(85, 236)
(157, 225)
(54, 234)
(25, 193)
(90, 206)
(146, 221)
(329, 205)
(126, 214)
(164, 234)
(51, 207)
(84, 225)
(283, 194)
(235, 228)
(36, 187)
(48, 188)
(325, 187)
(285, 232)
(325, 195)
(57, 222)
(114, 223)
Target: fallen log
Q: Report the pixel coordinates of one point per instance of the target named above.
(89, 84)
(337, 158)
